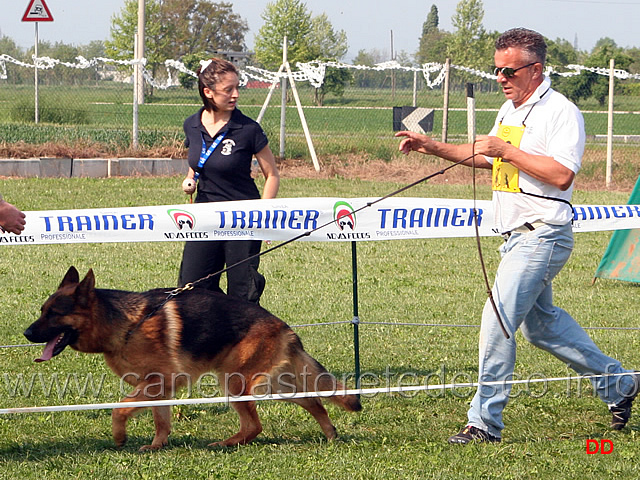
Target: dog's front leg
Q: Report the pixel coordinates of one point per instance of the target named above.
(119, 417)
(161, 417)
(162, 420)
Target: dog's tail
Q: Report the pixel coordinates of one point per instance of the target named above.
(313, 377)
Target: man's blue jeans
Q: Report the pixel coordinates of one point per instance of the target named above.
(522, 291)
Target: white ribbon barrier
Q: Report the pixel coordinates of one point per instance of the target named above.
(314, 219)
(403, 390)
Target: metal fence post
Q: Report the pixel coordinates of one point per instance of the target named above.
(356, 315)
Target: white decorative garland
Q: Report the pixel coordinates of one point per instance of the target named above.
(313, 72)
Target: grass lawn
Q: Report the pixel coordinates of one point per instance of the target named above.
(401, 436)
(100, 116)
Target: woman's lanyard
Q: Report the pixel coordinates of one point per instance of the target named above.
(206, 153)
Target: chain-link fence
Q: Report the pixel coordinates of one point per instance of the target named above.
(92, 102)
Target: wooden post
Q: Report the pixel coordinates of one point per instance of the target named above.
(445, 102)
(283, 100)
(471, 114)
(610, 125)
(303, 120)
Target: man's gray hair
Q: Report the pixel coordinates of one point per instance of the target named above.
(528, 40)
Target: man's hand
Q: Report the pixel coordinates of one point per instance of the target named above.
(414, 142)
(491, 146)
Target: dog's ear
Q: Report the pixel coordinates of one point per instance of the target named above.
(71, 276)
(85, 288)
(88, 283)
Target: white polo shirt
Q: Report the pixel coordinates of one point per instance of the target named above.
(553, 127)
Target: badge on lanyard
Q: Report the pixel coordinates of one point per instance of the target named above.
(506, 177)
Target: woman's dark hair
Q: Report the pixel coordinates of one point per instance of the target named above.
(210, 75)
(528, 40)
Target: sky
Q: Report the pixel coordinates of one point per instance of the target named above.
(369, 24)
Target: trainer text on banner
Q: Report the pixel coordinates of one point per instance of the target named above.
(320, 219)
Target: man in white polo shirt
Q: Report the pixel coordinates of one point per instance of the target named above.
(534, 150)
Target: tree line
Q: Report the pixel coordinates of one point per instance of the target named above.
(472, 45)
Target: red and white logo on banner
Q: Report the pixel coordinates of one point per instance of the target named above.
(37, 11)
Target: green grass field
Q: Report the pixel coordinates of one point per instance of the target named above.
(417, 281)
(354, 123)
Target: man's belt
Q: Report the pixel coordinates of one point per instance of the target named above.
(524, 228)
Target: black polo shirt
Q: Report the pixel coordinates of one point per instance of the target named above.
(227, 173)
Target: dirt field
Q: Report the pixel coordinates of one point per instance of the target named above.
(414, 167)
(402, 169)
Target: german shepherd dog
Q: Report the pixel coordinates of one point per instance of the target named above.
(150, 336)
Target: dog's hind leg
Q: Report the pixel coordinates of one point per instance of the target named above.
(314, 407)
(250, 426)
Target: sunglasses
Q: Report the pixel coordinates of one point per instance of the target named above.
(509, 72)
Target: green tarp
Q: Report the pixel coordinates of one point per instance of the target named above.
(621, 261)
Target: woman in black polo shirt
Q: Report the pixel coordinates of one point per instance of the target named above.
(222, 142)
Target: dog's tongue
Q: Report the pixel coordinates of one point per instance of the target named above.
(47, 353)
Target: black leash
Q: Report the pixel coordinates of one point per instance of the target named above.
(135, 327)
(191, 285)
(479, 244)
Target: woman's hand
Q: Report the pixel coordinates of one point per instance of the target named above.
(188, 185)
